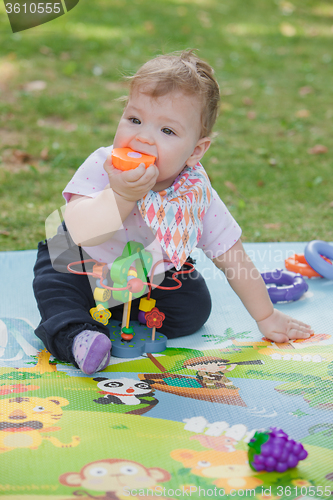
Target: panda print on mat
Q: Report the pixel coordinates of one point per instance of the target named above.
(125, 391)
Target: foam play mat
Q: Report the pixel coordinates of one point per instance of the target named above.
(172, 424)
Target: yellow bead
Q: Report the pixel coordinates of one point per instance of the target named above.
(146, 305)
(132, 272)
(102, 294)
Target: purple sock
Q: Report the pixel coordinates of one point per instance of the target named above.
(91, 351)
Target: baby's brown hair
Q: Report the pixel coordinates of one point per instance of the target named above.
(183, 72)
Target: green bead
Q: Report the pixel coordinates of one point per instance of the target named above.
(128, 330)
(104, 304)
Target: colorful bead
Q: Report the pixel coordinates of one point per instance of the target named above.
(98, 282)
(135, 285)
(127, 333)
(142, 318)
(98, 268)
(104, 304)
(146, 305)
(102, 294)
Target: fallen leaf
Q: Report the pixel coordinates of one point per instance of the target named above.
(17, 160)
(8, 71)
(21, 156)
(12, 138)
(34, 86)
(5, 233)
(272, 162)
(302, 113)
(311, 31)
(45, 50)
(251, 115)
(186, 30)
(65, 56)
(44, 154)
(225, 106)
(227, 91)
(287, 29)
(305, 90)
(276, 225)
(149, 27)
(230, 186)
(12, 56)
(331, 204)
(260, 183)
(57, 123)
(247, 101)
(287, 8)
(204, 19)
(318, 149)
(247, 83)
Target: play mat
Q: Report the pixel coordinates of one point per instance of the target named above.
(180, 433)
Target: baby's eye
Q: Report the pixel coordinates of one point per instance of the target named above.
(136, 121)
(167, 131)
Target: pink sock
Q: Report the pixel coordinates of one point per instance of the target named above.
(91, 351)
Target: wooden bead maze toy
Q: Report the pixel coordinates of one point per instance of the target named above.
(129, 277)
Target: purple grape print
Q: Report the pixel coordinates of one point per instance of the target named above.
(273, 450)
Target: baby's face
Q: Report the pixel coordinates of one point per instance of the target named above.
(166, 127)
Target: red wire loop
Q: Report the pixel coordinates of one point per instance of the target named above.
(150, 285)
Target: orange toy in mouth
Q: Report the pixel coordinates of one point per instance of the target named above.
(127, 159)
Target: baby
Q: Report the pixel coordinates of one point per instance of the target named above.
(170, 207)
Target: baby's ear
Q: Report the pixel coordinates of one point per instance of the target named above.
(198, 152)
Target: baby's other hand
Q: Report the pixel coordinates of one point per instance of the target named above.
(279, 327)
(131, 185)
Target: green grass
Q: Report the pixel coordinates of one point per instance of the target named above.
(263, 52)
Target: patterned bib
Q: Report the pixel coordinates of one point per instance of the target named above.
(176, 214)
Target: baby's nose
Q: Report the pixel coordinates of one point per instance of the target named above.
(146, 137)
(146, 140)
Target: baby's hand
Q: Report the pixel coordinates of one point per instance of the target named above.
(131, 185)
(279, 327)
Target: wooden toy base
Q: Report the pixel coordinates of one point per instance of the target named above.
(140, 343)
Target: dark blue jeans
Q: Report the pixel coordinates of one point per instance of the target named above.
(64, 299)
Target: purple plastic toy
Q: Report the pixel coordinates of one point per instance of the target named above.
(312, 254)
(273, 451)
(291, 286)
